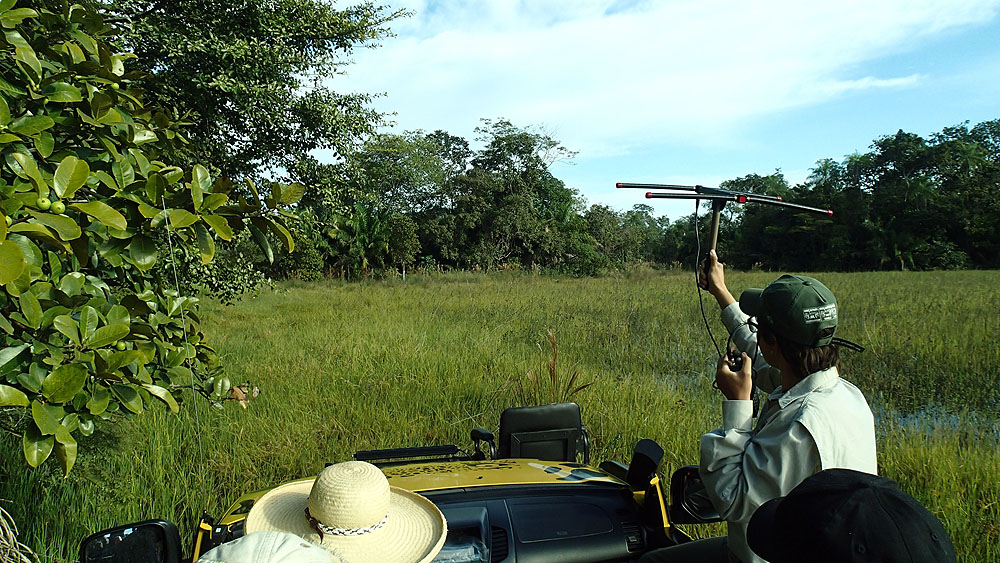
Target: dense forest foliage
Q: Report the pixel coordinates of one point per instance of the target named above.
(428, 199)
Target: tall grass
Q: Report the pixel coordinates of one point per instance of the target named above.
(343, 367)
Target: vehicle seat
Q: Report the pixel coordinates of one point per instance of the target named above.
(552, 432)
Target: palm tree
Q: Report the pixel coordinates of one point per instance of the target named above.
(362, 238)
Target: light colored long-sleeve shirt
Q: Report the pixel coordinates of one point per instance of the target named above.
(821, 422)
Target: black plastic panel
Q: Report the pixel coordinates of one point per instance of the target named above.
(539, 524)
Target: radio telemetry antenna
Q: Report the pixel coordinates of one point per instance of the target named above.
(719, 198)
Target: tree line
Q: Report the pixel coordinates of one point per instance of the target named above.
(427, 199)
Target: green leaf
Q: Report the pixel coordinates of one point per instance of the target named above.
(98, 402)
(11, 89)
(30, 168)
(106, 179)
(156, 184)
(7, 4)
(87, 427)
(64, 382)
(67, 228)
(143, 136)
(142, 251)
(171, 174)
(291, 193)
(14, 17)
(66, 325)
(85, 41)
(180, 218)
(123, 173)
(36, 446)
(118, 360)
(16, 40)
(12, 261)
(201, 183)
(45, 421)
(65, 450)
(11, 352)
(255, 203)
(75, 52)
(71, 174)
(100, 104)
(219, 225)
(262, 243)
(32, 381)
(88, 322)
(4, 111)
(141, 161)
(62, 92)
(163, 395)
(206, 244)
(38, 231)
(31, 124)
(45, 143)
(214, 201)
(72, 283)
(148, 211)
(282, 233)
(103, 212)
(128, 397)
(118, 315)
(30, 60)
(31, 309)
(55, 265)
(107, 334)
(12, 397)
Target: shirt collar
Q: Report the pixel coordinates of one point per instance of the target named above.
(812, 382)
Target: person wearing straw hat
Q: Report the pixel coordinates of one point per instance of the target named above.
(351, 510)
(812, 419)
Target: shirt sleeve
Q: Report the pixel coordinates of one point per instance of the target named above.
(742, 470)
(765, 377)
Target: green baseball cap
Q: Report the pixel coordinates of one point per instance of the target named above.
(795, 307)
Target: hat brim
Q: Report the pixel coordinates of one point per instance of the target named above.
(761, 528)
(750, 301)
(415, 529)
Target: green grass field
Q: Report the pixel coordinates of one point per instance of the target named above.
(343, 367)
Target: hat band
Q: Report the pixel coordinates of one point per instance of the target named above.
(330, 530)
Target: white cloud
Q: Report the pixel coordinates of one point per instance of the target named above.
(609, 75)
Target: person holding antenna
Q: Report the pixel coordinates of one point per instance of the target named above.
(812, 419)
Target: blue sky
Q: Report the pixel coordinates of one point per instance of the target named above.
(692, 91)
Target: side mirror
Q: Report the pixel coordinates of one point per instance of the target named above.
(152, 541)
(689, 500)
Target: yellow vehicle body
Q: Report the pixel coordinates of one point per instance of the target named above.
(466, 478)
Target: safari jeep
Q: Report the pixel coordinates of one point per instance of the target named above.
(522, 498)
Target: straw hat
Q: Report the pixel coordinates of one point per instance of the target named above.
(351, 509)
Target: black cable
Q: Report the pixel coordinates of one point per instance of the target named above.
(701, 301)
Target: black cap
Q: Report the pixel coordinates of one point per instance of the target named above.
(843, 516)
